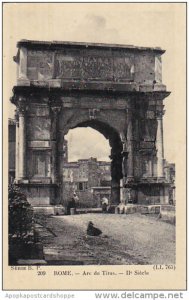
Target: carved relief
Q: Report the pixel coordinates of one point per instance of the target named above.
(43, 65)
(97, 67)
(93, 67)
(91, 64)
(68, 66)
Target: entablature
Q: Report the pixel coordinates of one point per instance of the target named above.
(89, 66)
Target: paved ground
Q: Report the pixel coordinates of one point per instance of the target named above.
(126, 239)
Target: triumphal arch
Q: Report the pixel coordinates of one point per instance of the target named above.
(115, 89)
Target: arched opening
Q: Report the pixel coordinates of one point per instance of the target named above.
(85, 143)
(93, 176)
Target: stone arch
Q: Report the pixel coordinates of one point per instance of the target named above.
(64, 85)
(116, 145)
(71, 118)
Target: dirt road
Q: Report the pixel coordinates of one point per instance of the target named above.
(126, 239)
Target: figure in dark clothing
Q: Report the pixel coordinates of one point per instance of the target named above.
(71, 204)
(104, 207)
(93, 231)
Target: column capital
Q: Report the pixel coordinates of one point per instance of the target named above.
(55, 109)
(22, 105)
(115, 156)
(16, 115)
(125, 144)
(159, 144)
(54, 99)
(159, 114)
(125, 154)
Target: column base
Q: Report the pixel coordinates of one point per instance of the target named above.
(21, 180)
(40, 194)
(23, 82)
(146, 191)
(128, 180)
(115, 195)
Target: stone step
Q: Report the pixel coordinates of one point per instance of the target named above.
(49, 209)
(58, 254)
(27, 262)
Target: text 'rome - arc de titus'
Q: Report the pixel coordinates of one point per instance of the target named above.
(115, 89)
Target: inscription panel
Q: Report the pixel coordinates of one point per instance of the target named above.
(68, 66)
(97, 68)
(93, 65)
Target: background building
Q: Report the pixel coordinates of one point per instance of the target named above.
(89, 178)
(169, 171)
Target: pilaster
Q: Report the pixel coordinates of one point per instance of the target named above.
(17, 147)
(116, 176)
(54, 142)
(129, 145)
(159, 143)
(22, 108)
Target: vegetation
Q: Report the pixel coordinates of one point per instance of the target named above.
(20, 225)
(20, 214)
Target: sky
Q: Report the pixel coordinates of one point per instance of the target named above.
(150, 24)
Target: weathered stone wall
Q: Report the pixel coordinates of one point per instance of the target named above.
(89, 173)
(40, 194)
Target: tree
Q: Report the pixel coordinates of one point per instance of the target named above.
(20, 214)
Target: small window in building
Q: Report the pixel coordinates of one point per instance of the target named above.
(80, 186)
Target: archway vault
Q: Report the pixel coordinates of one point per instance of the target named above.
(116, 146)
(106, 130)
